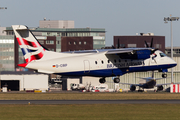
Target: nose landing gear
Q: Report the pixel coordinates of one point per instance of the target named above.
(164, 75)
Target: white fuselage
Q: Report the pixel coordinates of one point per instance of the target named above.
(97, 64)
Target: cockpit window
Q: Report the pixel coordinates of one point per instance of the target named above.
(162, 55)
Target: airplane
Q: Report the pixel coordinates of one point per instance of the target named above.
(96, 63)
(147, 83)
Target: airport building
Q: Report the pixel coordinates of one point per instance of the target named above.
(23, 81)
(176, 51)
(138, 41)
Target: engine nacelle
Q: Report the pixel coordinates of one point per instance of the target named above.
(132, 87)
(160, 88)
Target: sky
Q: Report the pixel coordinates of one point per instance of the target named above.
(118, 17)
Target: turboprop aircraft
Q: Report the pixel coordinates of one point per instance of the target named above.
(147, 83)
(97, 63)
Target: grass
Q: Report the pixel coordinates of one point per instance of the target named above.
(86, 96)
(91, 112)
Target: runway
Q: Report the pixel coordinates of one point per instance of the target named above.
(51, 102)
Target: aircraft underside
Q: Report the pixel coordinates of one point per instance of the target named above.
(115, 71)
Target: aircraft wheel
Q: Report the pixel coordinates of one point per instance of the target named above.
(132, 88)
(102, 80)
(164, 75)
(116, 80)
(140, 90)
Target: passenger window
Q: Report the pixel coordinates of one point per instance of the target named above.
(102, 62)
(108, 61)
(95, 62)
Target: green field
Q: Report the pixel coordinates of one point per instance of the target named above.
(91, 112)
(86, 96)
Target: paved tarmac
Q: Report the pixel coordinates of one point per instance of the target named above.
(50, 102)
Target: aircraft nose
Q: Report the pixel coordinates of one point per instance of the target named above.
(173, 63)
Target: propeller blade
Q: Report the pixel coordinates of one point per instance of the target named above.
(118, 44)
(113, 47)
(153, 51)
(151, 43)
(146, 44)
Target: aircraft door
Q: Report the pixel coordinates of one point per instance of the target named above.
(86, 66)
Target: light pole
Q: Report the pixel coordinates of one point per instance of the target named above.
(166, 19)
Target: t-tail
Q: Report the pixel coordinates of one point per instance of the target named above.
(31, 48)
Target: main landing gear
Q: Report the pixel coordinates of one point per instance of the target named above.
(103, 80)
(116, 80)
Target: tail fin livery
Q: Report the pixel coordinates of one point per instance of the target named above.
(31, 48)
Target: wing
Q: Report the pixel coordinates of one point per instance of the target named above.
(150, 78)
(166, 84)
(131, 84)
(131, 53)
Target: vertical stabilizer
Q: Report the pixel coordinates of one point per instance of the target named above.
(29, 45)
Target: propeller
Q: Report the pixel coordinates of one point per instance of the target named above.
(150, 45)
(113, 47)
(146, 44)
(118, 44)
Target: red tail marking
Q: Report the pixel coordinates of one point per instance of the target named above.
(22, 65)
(35, 57)
(25, 42)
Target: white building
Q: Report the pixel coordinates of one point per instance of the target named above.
(56, 24)
(19, 81)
